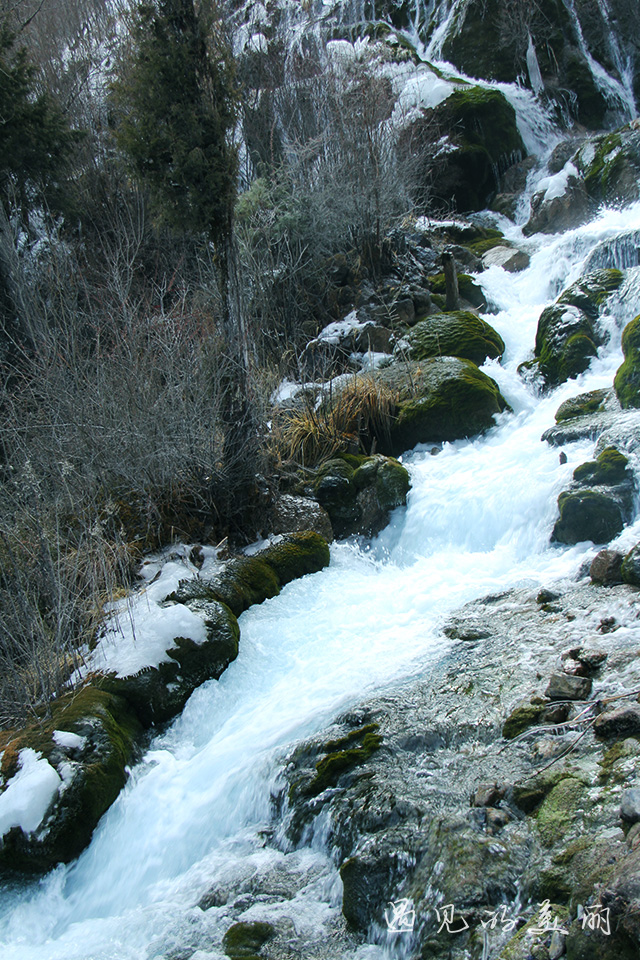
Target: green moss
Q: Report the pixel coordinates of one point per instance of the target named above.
(296, 555)
(479, 247)
(243, 941)
(366, 473)
(627, 380)
(457, 334)
(342, 755)
(587, 515)
(392, 484)
(520, 719)
(567, 339)
(601, 172)
(467, 287)
(558, 810)
(582, 405)
(243, 582)
(620, 750)
(592, 291)
(110, 730)
(611, 467)
(458, 407)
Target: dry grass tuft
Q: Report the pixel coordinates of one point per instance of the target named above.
(358, 415)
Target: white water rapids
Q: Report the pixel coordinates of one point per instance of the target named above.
(195, 810)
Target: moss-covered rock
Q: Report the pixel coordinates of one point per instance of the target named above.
(588, 515)
(295, 555)
(610, 165)
(443, 398)
(582, 405)
(468, 289)
(630, 571)
(243, 941)
(90, 762)
(459, 334)
(599, 502)
(479, 126)
(611, 467)
(559, 810)
(358, 492)
(567, 337)
(627, 379)
(341, 756)
(157, 694)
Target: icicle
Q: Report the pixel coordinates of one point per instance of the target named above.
(535, 77)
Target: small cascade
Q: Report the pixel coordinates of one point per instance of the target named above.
(618, 93)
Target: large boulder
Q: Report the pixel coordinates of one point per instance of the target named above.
(59, 774)
(158, 693)
(442, 398)
(561, 203)
(568, 336)
(457, 334)
(610, 166)
(627, 379)
(599, 502)
(293, 514)
(481, 140)
(359, 492)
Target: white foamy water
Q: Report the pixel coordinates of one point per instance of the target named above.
(195, 810)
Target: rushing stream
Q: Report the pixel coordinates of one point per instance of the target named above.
(197, 810)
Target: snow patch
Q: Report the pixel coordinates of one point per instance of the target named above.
(141, 630)
(68, 740)
(556, 186)
(29, 794)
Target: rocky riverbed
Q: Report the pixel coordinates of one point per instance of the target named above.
(500, 785)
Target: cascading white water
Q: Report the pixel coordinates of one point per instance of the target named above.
(478, 520)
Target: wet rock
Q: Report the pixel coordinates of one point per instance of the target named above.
(290, 514)
(506, 257)
(554, 214)
(496, 819)
(619, 722)
(443, 398)
(630, 570)
(483, 140)
(568, 336)
(158, 693)
(359, 492)
(599, 501)
(630, 805)
(606, 567)
(610, 165)
(564, 687)
(622, 896)
(592, 402)
(589, 657)
(85, 747)
(487, 795)
(243, 941)
(457, 334)
(627, 379)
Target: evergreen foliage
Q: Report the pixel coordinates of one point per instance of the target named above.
(177, 106)
(35, 138)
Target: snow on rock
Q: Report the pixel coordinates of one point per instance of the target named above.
(556, 185)
(141, 630)
(423, 91)
(68, 740)
(29, 794)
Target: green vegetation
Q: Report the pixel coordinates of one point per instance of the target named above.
(627, 379)
(342, 755)
(611, 467)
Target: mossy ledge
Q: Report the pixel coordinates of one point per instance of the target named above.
(103, 721)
